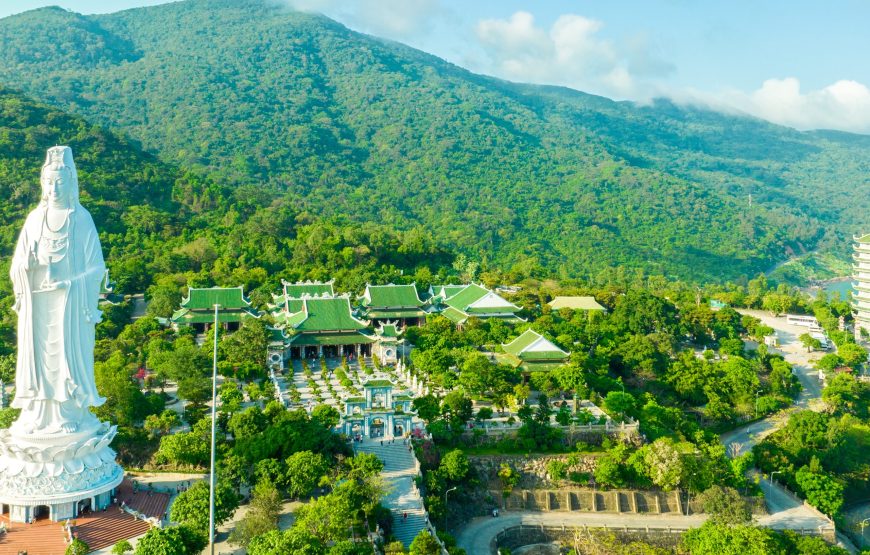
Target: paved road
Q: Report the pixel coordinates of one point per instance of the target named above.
(794, 353)
(477, 534)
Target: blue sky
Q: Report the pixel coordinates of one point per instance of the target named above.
(800, 63)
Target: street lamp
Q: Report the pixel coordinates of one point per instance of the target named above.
(445, 506)
(772, 473)
(213, 432)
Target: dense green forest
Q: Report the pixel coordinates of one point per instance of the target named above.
(288, 117)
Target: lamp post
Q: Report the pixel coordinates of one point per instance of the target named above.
(445, 506)
(213, 433)
(772, 473)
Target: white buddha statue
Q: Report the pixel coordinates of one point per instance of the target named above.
(56, 272)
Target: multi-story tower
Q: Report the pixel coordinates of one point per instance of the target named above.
(861, 284)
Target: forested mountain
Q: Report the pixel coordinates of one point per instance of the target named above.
(296, 114)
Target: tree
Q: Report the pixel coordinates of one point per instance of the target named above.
(302, 473)
(262, 516)
(853, 355)
(719, 539)
(326, 415)
(77, 547)
(427, 407)
(176, 540)
(618, 403)
(230, 396)
(248, 344)
(509, 478)
(457, 408)
(725, 506)
(191, 507)
(424, 544)
(821, 490)
(454, 465)
(842, 392)
(663, 463)
(809, 342)
(247, 423)
(122, 548)
(294, 540)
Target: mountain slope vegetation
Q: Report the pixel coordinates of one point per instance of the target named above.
(292, 108)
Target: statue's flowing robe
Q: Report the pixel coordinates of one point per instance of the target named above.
(75, 381)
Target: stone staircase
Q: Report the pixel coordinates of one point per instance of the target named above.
(402, 497)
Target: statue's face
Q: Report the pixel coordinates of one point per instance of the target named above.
(56, 185)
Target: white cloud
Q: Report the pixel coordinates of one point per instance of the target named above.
(570, 53)
(395, 19)
(843, 105)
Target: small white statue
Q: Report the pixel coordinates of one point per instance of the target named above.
(56, 273)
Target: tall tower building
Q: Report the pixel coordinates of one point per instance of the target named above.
(861, 284)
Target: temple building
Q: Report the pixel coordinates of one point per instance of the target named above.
(461, 302)
(532, 352)
(380, 414)
(197, 310)
(576, 303)
(861, 285)
(323, 326)
(393, 302)
(387, 345)
(301, 289)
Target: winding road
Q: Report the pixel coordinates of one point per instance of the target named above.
(786, 512)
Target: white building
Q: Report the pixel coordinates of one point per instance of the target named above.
(861, 285)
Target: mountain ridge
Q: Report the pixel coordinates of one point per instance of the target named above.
(556, 180)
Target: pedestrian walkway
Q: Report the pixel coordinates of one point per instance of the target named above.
(403, 497)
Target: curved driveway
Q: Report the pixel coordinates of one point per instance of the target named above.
(476, 536)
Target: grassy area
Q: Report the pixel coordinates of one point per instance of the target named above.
(812, 267)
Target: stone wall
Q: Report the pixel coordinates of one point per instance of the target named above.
(533, 469)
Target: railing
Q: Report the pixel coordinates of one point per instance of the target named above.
(153, 521)
(566, 527)
(607, 427)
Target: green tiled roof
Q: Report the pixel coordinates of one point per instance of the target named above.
(402, 398)
(389, 330)
(320, 314)
(185, 316)
(378, 383)
(309, 288)
(518, 347)
(863, 239)
(446, 291)
(576, 303)
(204, 299)
(473, 293)
(277, 335)
(401, 313)
(355, 400)
(456, 316)
(392, 296)
(352, 338)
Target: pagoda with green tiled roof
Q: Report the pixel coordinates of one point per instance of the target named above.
(400, 303)
(461, 302)
(532, 352)
(323, 326)
(301, 289)
(387, 344)
(197, 309)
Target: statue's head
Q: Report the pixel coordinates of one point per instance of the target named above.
(60, 182)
